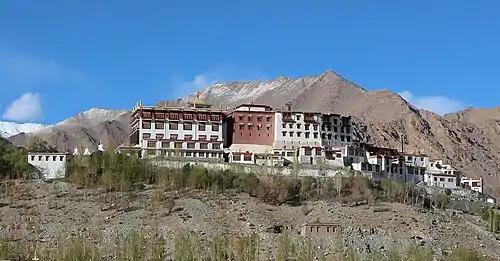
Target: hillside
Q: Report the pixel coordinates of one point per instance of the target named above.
(60, 210)
(86, 129)
(468, 139)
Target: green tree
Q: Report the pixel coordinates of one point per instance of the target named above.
(14, 162)
(37, 144)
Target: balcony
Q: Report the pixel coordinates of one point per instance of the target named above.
(287, 117)
(309, 117)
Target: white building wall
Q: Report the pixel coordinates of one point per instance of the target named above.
(50, 165)
(417, 160)
(299, 126)
(470, 182)
(248, 108)
(441, 181)
(181, 133)
(254, 148)
(289, 136)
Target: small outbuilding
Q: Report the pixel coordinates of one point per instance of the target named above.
(49, 165)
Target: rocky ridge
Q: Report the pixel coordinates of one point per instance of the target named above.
(86, 129)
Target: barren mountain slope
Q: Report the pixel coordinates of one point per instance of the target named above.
(327, 92)
(86, 130)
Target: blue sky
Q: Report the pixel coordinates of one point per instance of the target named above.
(58, 58)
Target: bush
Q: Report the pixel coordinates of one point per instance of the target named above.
(442, 201)
(492, 217)
(464, 254)
(120, 172)
(278, 190)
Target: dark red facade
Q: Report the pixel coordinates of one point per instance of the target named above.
(253, 126)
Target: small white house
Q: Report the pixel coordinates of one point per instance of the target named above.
(49, 165)
(475, 184)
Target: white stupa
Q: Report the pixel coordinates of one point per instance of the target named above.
(100, 147)
(86, 152)
(75, 152)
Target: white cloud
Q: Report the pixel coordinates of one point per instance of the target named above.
(199, 82)
(27, 108)
(220, 74)
(438, 104)
(25, 69)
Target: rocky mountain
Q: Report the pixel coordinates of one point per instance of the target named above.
(86, 129)
(469, 139)
(8, 129)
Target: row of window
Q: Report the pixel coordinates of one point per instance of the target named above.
(324, 136)
(443, 179)
(251, 117)
(47, 158)
(317, 229)
(246, 157)
(307, 152)
(307, 126)
(175, 126)
(288, 116)
(343, 129)
(184, 154)
(177, 116)
(258, 134)
(178, 145)
(416, 158)
(251, 127)
(299, 134)
(328, 121)
(176, 137)
(370, 167)
(285, 154)
(474, 184)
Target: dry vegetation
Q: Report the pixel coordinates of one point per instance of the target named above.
(116, 181)
(150, 246)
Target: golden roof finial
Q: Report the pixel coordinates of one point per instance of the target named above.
(197, 101)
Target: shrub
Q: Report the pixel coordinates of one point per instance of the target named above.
(442, 201)
(248, 183)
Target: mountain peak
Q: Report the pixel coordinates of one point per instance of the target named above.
(93, 116)
(331, 74)
(8, 129)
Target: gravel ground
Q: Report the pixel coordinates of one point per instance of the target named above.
(51, 212)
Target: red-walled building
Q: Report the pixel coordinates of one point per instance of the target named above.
(250, 132)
